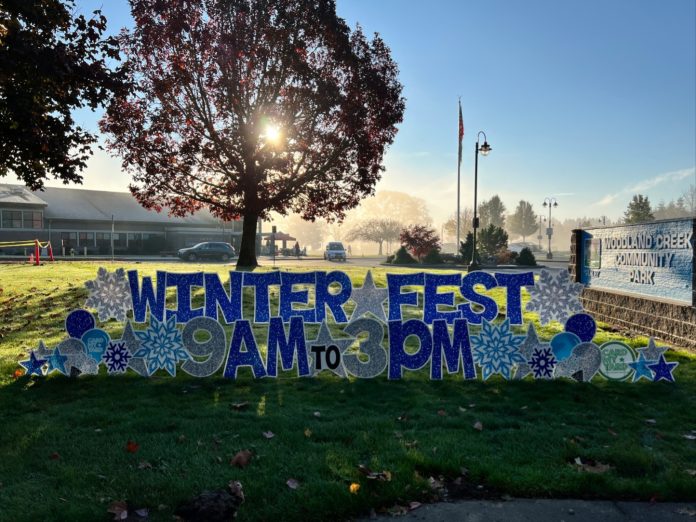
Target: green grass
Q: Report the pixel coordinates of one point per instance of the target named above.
(188, 431)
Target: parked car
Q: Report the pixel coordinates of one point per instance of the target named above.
(335, 251)
(221, 251)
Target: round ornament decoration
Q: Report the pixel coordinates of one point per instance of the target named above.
(562, 345)
(582, 325)
(96, 342)
(617, 358)
(78, 322)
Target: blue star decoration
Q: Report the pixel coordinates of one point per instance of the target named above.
(33, 365)
(116, 357)
(162, 346)
(542, 363)
(641, 369)
(663, 370)
(56, 362)
(496, 349)
(369, 299)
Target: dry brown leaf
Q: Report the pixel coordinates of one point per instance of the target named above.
(119, 509)
(384, 476)
(268, 434)
(239, 405)
(241, 459)
(307, 432)
(478, 426)
(591, 466)
(292, 483)
(414, 505)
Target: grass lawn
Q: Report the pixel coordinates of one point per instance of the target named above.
(63, 442)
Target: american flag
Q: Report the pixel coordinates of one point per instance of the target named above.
(461, 131)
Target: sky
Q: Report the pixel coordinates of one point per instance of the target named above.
(586, 101)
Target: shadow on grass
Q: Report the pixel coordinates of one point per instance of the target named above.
(64, 441)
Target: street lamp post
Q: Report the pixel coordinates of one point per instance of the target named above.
(484, 149)
(550, 202)
(540, 237)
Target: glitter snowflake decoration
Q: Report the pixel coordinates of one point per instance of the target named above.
(161, 346)
(116, 357)
(496, 349)
(555, 297)
(542, 363)
(110, 294)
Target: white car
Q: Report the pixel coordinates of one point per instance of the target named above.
(335, 251)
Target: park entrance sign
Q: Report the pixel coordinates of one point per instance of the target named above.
(652, 259)
(263, 323)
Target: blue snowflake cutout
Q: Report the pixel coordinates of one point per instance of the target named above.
(116, 357)
(555, 297)
(542, 363)
(162, 346)
(496, 349)
(110, 294)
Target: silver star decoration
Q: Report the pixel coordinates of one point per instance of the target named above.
(42, 352)
(369, 299)
(526, 349)
(324, 339)
(137, 364)
(652, 352)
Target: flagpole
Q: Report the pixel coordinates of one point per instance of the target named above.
(459, 168)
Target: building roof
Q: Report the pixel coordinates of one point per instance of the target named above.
(96, 205)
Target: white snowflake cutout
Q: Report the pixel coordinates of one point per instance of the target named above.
(110, 294)
(555, 297)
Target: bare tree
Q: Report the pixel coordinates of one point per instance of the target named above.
(376, 230)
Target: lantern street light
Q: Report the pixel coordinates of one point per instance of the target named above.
(550, 202)
(484, 149)
(540, 237)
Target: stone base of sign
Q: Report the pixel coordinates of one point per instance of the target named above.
(670, 322)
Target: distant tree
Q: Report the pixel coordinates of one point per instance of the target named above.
(689, 197)
(466, 221)
(248, 108)
(638, 210)
(466, 248)
(392, 204)
(524, 220)
(492, 212)
(674, 209)
(492, 240)
(51, 64)
(308, 233)
(377, 231)
(419, 240)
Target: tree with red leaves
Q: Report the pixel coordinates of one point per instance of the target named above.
(419, 240)
(247, 107)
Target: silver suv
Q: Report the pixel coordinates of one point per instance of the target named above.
(335, 251)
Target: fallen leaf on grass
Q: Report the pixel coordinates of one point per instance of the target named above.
(403, 417)
(17, 373)
(689, 512)
(144, 464)
(375, 475)
(478, 426)
(398, 510)
(317, 414)
(689, 436)
(442, 413)
(354, 488)
(241, 459)
(414, 505)
(132, 447)
(691, 472)
(650, 421)
(292, 483)
(462, 409)
(119, 509)
(612, 432)
(411, 444)
(181, 438)
(54, 456)
(307, 432)
(268, 434)
(239, 405)
(591, 466)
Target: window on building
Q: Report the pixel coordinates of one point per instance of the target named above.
(32, 219)
(11, 219)
(87, 238)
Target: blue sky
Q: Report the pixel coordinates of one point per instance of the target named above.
(588, 101)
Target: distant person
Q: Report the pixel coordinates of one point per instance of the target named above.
(297, 250)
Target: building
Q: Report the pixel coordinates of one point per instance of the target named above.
(79, 221)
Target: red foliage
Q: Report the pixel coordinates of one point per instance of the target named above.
(419, 240)
(211, 77)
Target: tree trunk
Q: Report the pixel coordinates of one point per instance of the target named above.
(380, 248)
(247, 250)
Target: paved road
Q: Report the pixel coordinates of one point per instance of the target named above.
(530, 510)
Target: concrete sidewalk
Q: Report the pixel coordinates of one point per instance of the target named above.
(531, 510)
